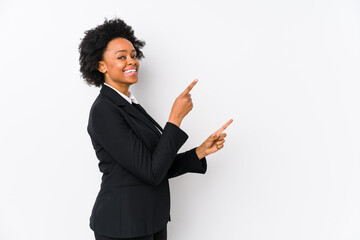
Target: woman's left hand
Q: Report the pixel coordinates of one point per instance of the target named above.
(213, 143)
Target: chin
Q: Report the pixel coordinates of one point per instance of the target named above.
(132, 81)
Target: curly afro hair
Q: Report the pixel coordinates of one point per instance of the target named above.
(94, 43)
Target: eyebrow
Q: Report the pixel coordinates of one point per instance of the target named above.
(124, 51)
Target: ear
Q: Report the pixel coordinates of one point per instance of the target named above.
(102, 67)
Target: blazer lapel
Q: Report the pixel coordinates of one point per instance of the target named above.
(130, 109)
(141, 109)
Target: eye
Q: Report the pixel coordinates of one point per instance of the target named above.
(134, 56)
(121, 57)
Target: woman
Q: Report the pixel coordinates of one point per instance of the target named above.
(136, 155)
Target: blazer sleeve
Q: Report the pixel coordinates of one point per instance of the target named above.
(113, 133)
(187, 162)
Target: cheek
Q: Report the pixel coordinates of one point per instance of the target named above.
(117, 66)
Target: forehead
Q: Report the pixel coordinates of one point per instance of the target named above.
(118, 44)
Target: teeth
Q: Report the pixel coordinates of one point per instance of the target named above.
(130, 71)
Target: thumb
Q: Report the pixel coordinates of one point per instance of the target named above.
(214, 136)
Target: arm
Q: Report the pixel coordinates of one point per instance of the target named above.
(187, 162)
(113, 133)
(194, 160)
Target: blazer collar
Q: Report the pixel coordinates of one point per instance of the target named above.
(131, 110)
(113, 95)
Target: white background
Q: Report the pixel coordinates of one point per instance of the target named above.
(287, 72)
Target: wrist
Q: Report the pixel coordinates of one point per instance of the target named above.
(200, 152)
(177, 122)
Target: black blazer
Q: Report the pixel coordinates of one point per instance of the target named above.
(136, 161)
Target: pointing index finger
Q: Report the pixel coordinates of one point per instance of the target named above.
(218, 132)
(188, 89)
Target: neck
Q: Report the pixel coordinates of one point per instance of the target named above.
(121, 87)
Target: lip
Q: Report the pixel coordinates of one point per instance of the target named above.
(131, 74)
(129, 69)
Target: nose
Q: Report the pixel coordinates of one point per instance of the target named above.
(131, 61)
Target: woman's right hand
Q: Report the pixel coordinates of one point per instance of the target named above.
(182, 105)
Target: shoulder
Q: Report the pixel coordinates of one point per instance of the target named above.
(103, 107)
(102, 103)
(105, 117)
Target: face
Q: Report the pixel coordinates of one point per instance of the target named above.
(120, 64)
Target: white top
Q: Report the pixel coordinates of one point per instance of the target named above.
(131, 98)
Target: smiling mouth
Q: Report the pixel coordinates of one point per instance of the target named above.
(130, 71)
